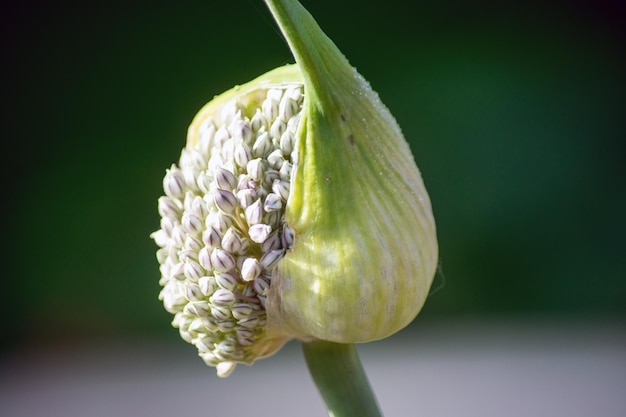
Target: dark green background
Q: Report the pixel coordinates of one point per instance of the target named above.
(514, 111)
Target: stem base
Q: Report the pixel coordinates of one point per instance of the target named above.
(340, 379)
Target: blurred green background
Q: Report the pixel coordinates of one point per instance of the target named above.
(514, 111)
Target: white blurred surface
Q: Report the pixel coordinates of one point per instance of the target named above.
(471, 368)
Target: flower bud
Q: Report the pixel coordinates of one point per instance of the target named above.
(310, 218)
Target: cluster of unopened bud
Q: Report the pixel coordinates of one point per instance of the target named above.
(223, 226)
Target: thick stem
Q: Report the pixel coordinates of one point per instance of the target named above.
(315, 53)
(340, 379)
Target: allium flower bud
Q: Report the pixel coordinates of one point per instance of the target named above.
(296, 210)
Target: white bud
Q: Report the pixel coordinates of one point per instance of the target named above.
(178, 236)
(270, 176)
(160, 237)
(211, 237)
(226, 281)
(285, 171)
(169, 207)
(191, 175)
(261, 285)
(219, 221)
(221, 260)
(248, 291)
(225, 179)
(178, 271)
(243, 331)
(222, 297)
(193, 270)
(287, 108)
(262, 145)
(273, 202)
(225, 201)
(294, 93)
(196, 327)
(225, 368)
(277, 128)
(259, 232)
(271, 258)
(258, 121)
(249, 322)
(225, 325)
(186, 336)
(242, 132)
(281, 188)
(197, 308)
(204, 258)
(193, 293)
(167, 224)
(272, 242)
(192, 224)
(210, 323)
(221, 136)
(207, 285)
(221, 313)
(288, 237)
(217, 160)
(185, 254)
(241, 310)
(198, 207)
(276, 159)
(173, 183)
(245, 246)
(254, 213)
(225, 347)
(173, 300)
(286, 142)
(231, 241)
(246, 197)
(270, 108)
(205, 184)
(242, 154)
(191, 158)
(256, 169)
(246, 182)
(193, 244)
(206, 133)
(250, 269)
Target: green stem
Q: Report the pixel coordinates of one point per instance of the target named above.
(340, 379)
(316, 54)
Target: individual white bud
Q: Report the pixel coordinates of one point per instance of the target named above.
(227, 281)
(231, 241)
(242, 154)
(225, 179)
(259, 232)
(226, 201)
(250, 269)
(254, 213)
(174, 183)
(256, 169)
(221, 260)
(223, 297)
(273, 202)
(192, 224)
(262, 145)
(169, 207)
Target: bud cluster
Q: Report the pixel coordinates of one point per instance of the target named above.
(223, 228)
